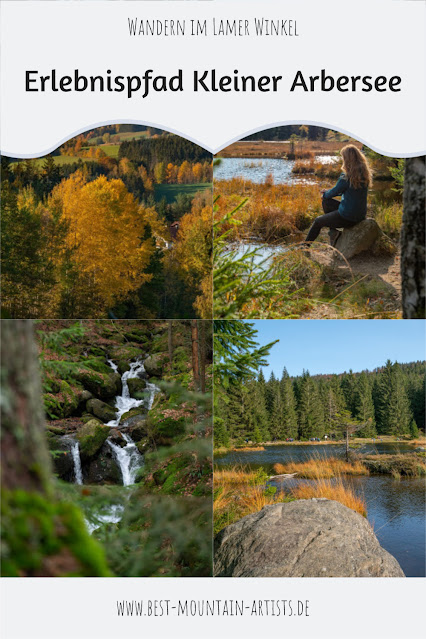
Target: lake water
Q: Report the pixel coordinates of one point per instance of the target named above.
(257, 170)
(396, 508)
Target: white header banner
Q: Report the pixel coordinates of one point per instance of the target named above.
(214, 71)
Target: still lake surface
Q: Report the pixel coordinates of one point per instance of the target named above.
(396, 508)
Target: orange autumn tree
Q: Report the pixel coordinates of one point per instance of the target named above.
(107, 247)
(193, 253)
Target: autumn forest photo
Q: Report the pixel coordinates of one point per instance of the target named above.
(115, 223)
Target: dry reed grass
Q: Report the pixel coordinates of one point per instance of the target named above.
(334, 490)
(239, 492)
(322, 468)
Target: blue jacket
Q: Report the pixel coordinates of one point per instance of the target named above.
(353, 205)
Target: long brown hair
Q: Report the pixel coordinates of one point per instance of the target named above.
(355, 167)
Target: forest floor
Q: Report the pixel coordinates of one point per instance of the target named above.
(366, 286)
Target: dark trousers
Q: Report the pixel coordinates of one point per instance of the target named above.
(331, 219)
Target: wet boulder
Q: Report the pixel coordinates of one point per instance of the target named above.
(103, 411)
(117, 438)
(124, 354)
(60, 449)
(102, 469)
(136, 387)
(154, 364)
(364, 236)
(102, 385)
(91, 438)
(135, 417)
(303, 538)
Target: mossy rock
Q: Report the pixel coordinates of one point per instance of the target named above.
(62, 404)
(46, 538)
(154, 364)
(134, 417)
(165, 430)
(104, 386)
(91, 438)
(136, 387)
(103, 411)
(144, 445)
(117, 438)
(60, 450)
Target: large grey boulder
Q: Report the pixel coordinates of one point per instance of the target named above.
(303, 538)
(359, 238)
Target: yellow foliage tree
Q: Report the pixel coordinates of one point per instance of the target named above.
(193, 253)
(106, 230)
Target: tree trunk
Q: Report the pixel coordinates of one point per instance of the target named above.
(25, 459)
(413, 240)
(195, 358)
(347, 444)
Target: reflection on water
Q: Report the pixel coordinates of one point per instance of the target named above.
(396, 508)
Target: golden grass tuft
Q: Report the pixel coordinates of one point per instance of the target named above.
(334, 490)
(239, 492)
(244, 448)
(322, 468)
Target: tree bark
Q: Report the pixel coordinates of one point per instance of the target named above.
(413, 240)
(26, 460)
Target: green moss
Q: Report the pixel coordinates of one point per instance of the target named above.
(36, 530)
(103, 385)
(91, 437)
(62, 404)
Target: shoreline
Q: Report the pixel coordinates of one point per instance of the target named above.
(386, 439)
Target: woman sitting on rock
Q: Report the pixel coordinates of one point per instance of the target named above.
(352, 185)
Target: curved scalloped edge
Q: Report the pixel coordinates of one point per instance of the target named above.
(216, 150)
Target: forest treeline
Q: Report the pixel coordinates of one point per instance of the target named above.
(386, 401)
(285, 132)
(88, 239)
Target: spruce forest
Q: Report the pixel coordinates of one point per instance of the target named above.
(386, 401)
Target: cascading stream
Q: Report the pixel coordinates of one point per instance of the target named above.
(75, 452)
(128, 457)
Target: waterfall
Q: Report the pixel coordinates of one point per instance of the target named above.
(75, 452)
(124, 402)
(128, 457)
